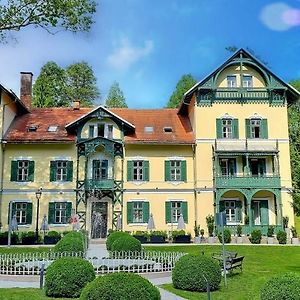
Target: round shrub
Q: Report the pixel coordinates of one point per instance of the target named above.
(285, 286)
(71, 242)
(66, 277)
(281, 237)
(255, 237)
(126, 243)
(113, 236)
(125, 286)
(189, 270)
(227, 236)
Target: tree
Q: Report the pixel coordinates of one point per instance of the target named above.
(56, 87)
(115, 97)
(81, 84)
(72, 15)
(183, 85)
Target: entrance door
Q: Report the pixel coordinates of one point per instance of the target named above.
(256, 213)
(99, 220)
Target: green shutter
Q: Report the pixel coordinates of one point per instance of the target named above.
(167, 170)
(146, 170)
(168, 211)
(264, 128)
(129, 170)
(248, 128)
(129, 212)
(31, 171)
(221, 206)
(29, 213)
(238, 211)
(261, 166)
(13, 207)
(52, 170)
(235, 129)
(145, 212)
(69, 210)
(14, 170)
(219, 128)
(264, 212)
(184, 206)
(51, 213)
(232, 166)
(70, 170)
(183, 170)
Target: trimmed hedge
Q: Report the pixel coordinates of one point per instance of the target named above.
(125, 286)
(126, 243)
(285, 286)
(255, 237)
(114, 236)
(189, 270)
(227, 236)
(66, 277)
(72, 242)
(281, 237)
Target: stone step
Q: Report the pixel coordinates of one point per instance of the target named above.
(97, 241)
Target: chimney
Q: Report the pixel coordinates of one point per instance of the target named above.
(26, 88)
(76, 104)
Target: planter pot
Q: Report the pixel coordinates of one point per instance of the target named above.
(157, 239)
(197, 240)
(288, 235)
(28, 240)
(270, 240)
(182, 239)
(143, 239)
(239, 240)
(50, 240)
(295, 241)
(211, 240)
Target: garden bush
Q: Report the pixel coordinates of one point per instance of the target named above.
(255, 237)
(66, 277)
(125, 286)
(281, 237)
(114, 236)
(29, 237)
(126, 244)
(189, 270)
(285, 286)
(72, 242)
(227, 236)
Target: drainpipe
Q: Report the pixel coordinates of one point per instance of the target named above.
(195, 184)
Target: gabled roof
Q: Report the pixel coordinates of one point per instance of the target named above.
(293, 94)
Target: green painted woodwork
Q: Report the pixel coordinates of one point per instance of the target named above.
(146, 170)
(29, 213)
(183, 170)
(248, 128)
(264, 212)
(184, 208)
(167, 170)
(235, 128)
(129, 212)
(14, 170)
(219, 128)
(70, 170)
(264, 128)
(51, 213)
(145, 212)
(13, 211)
(69, 210)
(238, 211)
(168, 211)
(129, 170)
(247, 229)
(52, 170)
(99, 184)
(31, 171)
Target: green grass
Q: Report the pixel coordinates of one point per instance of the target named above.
(20, 250)
(260, 264)
(25, 294)
(297, 224)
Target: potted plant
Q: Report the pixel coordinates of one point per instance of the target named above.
(270, 234)
(202, 234)
(52, 237)
(295, 239)
(227, 236)
(4, 238)
(285, 221)
(142, 236)
(255, 237)
(179, 236)
(157, 237)
(239, 239)
(197, 234)
(210, 221)
(281, 237)
(29, 238)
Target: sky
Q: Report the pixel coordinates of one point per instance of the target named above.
(147, 45)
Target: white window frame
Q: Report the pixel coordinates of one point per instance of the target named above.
(138, 165)
(227, 128)
(22, 170)
(137, 212)
(21, 212)
(176, 210)
(255, 123)
(60, 212)
(246, 82)
(230, 82)
(230, 216)
(175, 170)
(61, 170)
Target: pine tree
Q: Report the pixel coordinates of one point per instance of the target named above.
(115, 97)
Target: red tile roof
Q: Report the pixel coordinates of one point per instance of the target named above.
(158, 119)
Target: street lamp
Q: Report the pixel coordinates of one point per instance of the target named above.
(38, 195)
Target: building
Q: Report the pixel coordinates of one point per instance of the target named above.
(225, 149)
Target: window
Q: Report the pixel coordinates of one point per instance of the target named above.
(32, 128)
(230, 211)
(100, 169)
(109, 133)
(23, 212)
(22, 170)
(228, 166)
(168, 129)
(247, 81)
(175, 170)
(101, 130)
(137, 212)
(174, 209)
(257, 128)
(227, 128)
(231, 81)
(258, 166)
(59, 212)
(52, 128)
(91, 131)
(233, 210)
(138, 170)
(148, 129)
(61, 170)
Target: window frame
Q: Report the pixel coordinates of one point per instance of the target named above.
(227, 129)
(244, 81)
(138, 166)
(61, 170)
(138, 212)
(21, 212)
(62, 212)
(230, 82)
(176, 211)
(24, 170)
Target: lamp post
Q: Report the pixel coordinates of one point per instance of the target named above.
(38, 195)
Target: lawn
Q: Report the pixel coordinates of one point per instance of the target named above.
(260, 264)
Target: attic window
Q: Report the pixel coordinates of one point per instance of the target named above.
(168, 129)
(32, 128)
(52, 128)
(149, 129)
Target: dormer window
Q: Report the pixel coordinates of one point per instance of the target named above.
(231, 81)
(168, 129)
(247, 81)
(32, 128)
(52, 128)
(101, 130)
(148, 129)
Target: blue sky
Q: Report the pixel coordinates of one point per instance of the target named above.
(147, 45)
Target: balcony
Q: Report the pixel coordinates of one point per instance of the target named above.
(104, 184)
(271, 181)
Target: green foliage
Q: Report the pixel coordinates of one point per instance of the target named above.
(29, 237)
(190, 270)
(255, 237)
(210, 221)
(58, 87)
(53, 233)
(67, 276)
(285, 286)
(115, 97)
(114, 236)
(162, 233)
(285, 221)
(270, 231)
(182, 86)
(197, 230)
(239, 230)
(125, 286)
(281, 237)
(294, 232)
(71, 15)
(176, 233)
(71, 242)
(227, 236)
(126, 244)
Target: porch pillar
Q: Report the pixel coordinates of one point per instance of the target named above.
(279, 207)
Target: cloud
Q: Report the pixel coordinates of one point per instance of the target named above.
(280, 16)
(124, 56)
